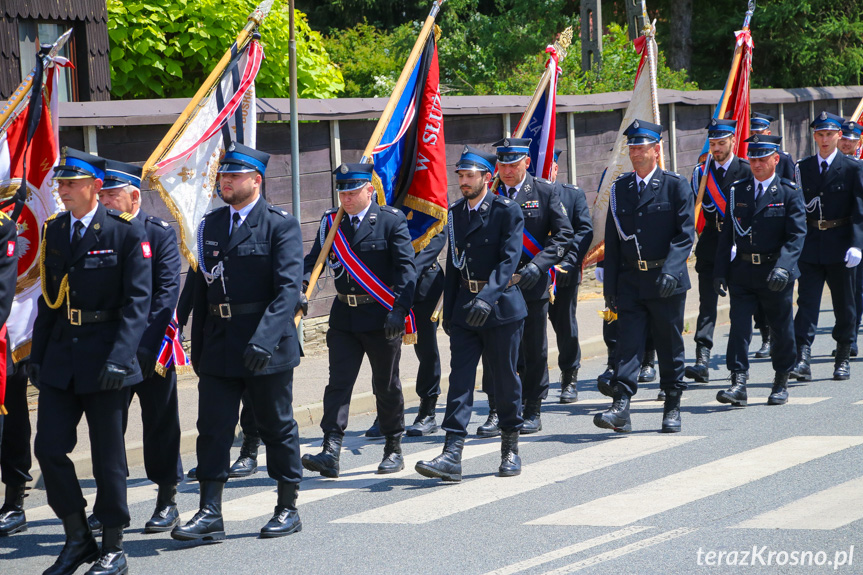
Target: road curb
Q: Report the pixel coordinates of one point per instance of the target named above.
(362, 403)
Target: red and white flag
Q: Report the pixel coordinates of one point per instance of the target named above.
(38, 159)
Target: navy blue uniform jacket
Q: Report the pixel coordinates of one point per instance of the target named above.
(547, 222)
(663, 221)
(705, 249)
(262, 265)
(166, 280)
(111, 269)
(429, 270)
(491, 242)
(575, 204)
(382, 242)
(841, 195)
(778, 221)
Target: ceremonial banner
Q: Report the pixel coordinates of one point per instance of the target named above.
(185, 172)
(542, 126)
(641, 106)
(734, 103)
(410, 160)
(30, 166)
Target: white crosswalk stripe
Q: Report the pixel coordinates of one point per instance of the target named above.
(568, 550)
(678, 489)
(829, 509)
(317, 488)
(621, 551)
(470, 494)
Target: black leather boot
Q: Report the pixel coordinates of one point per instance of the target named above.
(802, 371)
(842, 367)
(207, 524)
(510, 462)
(447, 465)
(327, 461)
(700, 372)
(661, 395)
(286, 518)
(393, 462)
(166, 516)
(112, 560)
(95, 525)
(671, 412)
(603, 381)
(764, 350)
(569, 386)
(374, 432)
(80, 547)
(247, 463)
(648, 371)
(425, 423)
(615, 417)
(491, 427)
(532, 417)
(192, 474)
(12, 518)
(736, 394)
(779, 393)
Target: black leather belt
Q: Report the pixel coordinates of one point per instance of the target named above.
(828, 224)
(758, 259)
(229, 310)
(473, 286)
(643, 265)
(82, 316)
(355, 300)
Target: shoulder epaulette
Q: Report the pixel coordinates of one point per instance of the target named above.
(126, 216)
(158, 221)
(570, 186)
(215, 210)
(391, 210)
(740, 181)
(278, 211)
(506, 201)
(544, 180)
(744, 161)
(788, 182)
(456, 203)
(674, 174)
(52, 216)
(332, 210)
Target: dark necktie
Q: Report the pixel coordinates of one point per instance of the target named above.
(720, 172)
(824, 166)
(758, 192)
(512, 193)
(77, 233)
(355, 222)
(236, 224)
(641, 185)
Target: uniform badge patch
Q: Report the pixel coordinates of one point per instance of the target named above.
(10, 249)
(531, 204)
(145, 248)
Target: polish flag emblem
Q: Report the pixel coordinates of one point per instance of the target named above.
(145, 247)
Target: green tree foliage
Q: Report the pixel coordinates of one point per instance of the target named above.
(166, 48)
(371, 61)
(797, 42)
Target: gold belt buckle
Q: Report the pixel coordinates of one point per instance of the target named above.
(225, 310)
(75, 316)
(473, 286)
(822, 225)
(756, 259)
(352, 300)
(642, 265)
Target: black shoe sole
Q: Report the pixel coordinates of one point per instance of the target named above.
(729, 401)
(508, 473)
(324, 471)
(389, 470)
(697, 378)
(160, 528)
(414, 432)
(568, 400)
(841, 377)
(432, 473)
(240, 475)
(274, 534)
(182, 536)
(19, 529)
(600, 422)
(604, 388)
(670, 429)
(495, 433)
(776, 402)
(529, 431)
(759, 355)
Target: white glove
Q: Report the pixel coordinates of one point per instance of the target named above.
(852, 257)
(733, 252)
(600, 274)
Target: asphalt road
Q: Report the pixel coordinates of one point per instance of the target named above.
(761, 489)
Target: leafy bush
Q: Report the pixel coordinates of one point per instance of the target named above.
(166, 48)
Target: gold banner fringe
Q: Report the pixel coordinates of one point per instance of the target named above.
(172, 207)
(21, 351)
